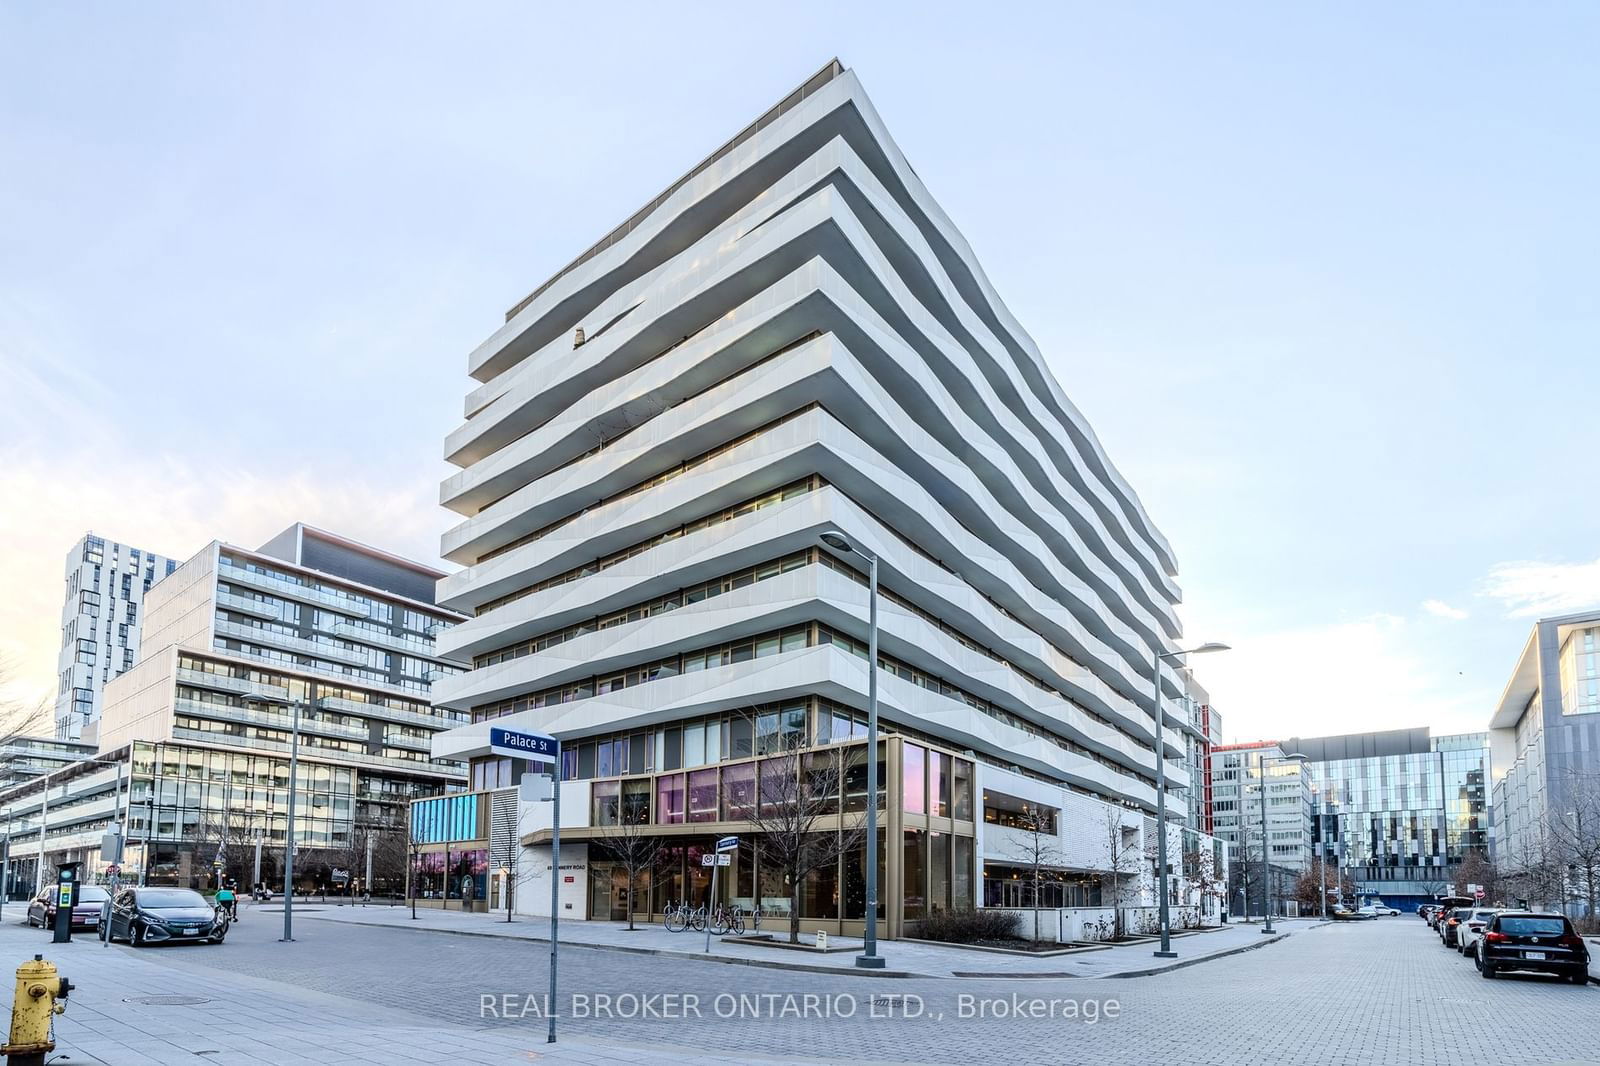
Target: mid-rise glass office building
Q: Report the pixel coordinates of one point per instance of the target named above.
(1398, 810)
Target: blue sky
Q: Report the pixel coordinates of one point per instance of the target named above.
(1323, 281)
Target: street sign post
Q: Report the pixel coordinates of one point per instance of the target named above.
(523, 745)
(722, 858)
(543, 748)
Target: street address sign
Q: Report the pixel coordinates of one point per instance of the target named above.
(727, 843)
(522, 745)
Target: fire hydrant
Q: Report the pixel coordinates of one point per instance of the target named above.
(32, 1010)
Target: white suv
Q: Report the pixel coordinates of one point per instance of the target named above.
(1471, 928)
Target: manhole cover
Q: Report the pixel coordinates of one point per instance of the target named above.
(168, 1001)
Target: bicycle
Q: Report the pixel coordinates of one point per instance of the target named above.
(697, 919)
(675, 917)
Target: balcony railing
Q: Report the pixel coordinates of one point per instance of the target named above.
(270, 719)
(290, 643)
(440, 767)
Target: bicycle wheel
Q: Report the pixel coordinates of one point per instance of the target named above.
(738, 922)
(673, 919)
(719, 923)
(697, 920)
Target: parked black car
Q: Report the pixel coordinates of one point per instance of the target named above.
(1541, 943)
(85, 913)
(1448, 922)
(157, 915)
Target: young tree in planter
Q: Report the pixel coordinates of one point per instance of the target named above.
(631, 843)
(1122, 858)
(1034, 846)
(797, 797)
(1200, 868)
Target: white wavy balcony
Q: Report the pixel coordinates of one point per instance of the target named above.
(894, 257)
(824, 671)
(817, 442)
(840, 109)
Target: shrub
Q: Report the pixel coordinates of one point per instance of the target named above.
(970, 926)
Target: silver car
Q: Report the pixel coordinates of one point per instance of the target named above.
(1471, 928)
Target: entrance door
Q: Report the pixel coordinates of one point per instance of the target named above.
(608, 893)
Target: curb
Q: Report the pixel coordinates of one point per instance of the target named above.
(1185, 963)
(727, 960)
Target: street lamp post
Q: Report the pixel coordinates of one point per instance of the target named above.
(1165, 951)
(294, 780)
(869, 958)
(1266, 869)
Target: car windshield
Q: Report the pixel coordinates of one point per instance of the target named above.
(1533, 926)
(92, 894)
(159, 898)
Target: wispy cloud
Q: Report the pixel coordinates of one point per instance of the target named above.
(1441, 609)
(1535, 589)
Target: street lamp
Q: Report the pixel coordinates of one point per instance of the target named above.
(869, 959)
(1165, 951)
(294, 775)
(1266, 870)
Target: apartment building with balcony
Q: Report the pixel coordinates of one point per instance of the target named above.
(241, 646)
(793, 339)
(101, 620)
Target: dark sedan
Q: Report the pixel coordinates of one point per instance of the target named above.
(85, 913)
(1540, 943)
(160, 915)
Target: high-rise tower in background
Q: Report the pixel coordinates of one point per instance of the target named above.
(100, 623)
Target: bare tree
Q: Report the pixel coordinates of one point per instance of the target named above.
(1535, 872)
(1200, 870)
(1476, 869)
(1574, 834)
(1121, 870)
(1035, 847)
(796, 814)
(23, 715)
(1309, 886)
(233, 831)
(632, 845)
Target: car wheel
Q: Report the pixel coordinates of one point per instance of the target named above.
(1477, 960)
(1487, 969)
(1580, 978)
(136, 937)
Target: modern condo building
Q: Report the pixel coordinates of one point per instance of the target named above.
(793, 339)
(101, 618)
(194, 741)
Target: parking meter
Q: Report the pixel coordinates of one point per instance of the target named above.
(66, 899)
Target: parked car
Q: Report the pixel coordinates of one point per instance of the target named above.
(1383, 910)
(1450, 923)
(1425, 912)
(1541, 943)
(1471, 928)
(85, 913)
(157, 915)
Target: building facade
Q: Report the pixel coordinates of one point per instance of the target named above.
(1399, 810)
(1545, 737)
(311, 632)
(793, 340)
(101, 618)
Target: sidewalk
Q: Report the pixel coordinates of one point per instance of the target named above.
(905, 958)
(126, 1010)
